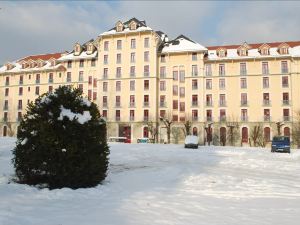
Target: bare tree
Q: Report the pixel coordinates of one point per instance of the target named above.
(176, 133)
(11, 130)
(167, 121)
(152, 128)
(208, 130)
(296, 130)
(279, 125)
(233, 133)
(257, 135)
(187, 128)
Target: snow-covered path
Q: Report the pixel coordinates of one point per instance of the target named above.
(165, 185)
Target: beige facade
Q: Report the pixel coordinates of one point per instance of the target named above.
(136, 74)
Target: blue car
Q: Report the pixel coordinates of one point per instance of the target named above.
(281, 144)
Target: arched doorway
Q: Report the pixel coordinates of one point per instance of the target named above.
(195, 131)
(223, 136)
(145, 132)
(245, 135)
(4, 131)
(286, 131)
(267, 134)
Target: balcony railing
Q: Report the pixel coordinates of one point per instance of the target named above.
(146, 104)
(194, 87)
(194, 103)
(222, 118)
(104, 77)
(194, 74)
(131, 104)
(50, 80)
(131, 118)
(20, 82)
(118, 104)
(267, 118)
(20, 107)
(19, 119)
(209, 103)
(118, 118)
(104, 104)
(69, 79)
(209, 119)
(285, 85)
(266, 102)
(195, 118)
(244, 103)
(37, 81)
(222, 103)
(162, 104)
(244, 118)
(286, 118)
(286, 102)
(146, 74)
(5, 107)
(146, 118)
(162, 75)
(132, 74)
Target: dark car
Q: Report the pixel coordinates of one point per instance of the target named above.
(281, 144)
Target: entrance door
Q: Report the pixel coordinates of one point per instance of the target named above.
(125, 131)
(245, 135)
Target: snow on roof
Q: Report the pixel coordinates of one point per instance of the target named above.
(83, 55)
(182, 44)
(18, 68)
(126, 30)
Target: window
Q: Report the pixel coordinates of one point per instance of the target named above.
(105, 59)
(105, 87)
(195, 84)
(245, 135)
(265, 82)
(267, 134)
(285, 98)
(208, 71)
(105, 73)
(146, 118)
(194, 56)
(4, 131)
(284, 50)
(162, 58)
(162, 113)
(182, 106)
(286, 132)
(20, 90)
(146, 43)
(222, 84)
(28, 89)
(265, 68)
(286, 115)
(132, 101)
(132, 44)
(132, 85)
(93, 62)
(146, 56)
(5, 117)
(284, 67)
(267, 115)
(21, 79)
(6, 81)
(181, 91)
(162, 101)
(175, 90)
(194, 100)
(208, 84)
(285, 81)
(81, 63)
(243, 69)
(209, 115)
(118, 85)
(175, 104)
(194, 115)
(94, 96)
(194, 70)
(6, 105)
(243, 83)
(266, 99)
(37, 78)
(181, 75)
(175, 118)
(104, 114)
(118, 115)
(50, 79)
(80, 77)
(175, 74)
(90, 80)
(89, 94)
(69, 77)
(244, 114)
(132, 57)
(244, 101)
(118, 58)
(37, 90)
(131, 115)
(118, 101)
(162, 85)
(146, 85)
(132, 71)
(80, 86)
(106, 45)
(95, 83)
(222, 114)
(104, 101)
(221, 69)
(146, 70)
(146, 100)
(209, 100)
(265, 51)
(20, 105)
(162, 72)
(69, 64)
(222, 100)
(119, 44)
(118, 72)
(243, 52)
(195, 131)
(6, 91)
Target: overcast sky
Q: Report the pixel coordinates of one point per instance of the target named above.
(45, 27)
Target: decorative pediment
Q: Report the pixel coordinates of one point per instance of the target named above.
(221, 52)
(24, 64)
(133, 25)
(40, 63)
(119, 26)
(264, 49)
(77, 49)
(52, 61)
(243, 49)
(283, 49)
(90, 48)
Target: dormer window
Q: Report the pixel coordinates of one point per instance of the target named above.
(243, 52)
(284, 51)
(77, 49)
(132, 25)
(264, 49)
(119, 26)
(221, 52)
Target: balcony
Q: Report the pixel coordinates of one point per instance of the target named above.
(19, 119)
(131, 118)
(284, 85)
(195, 118)
(244, 103)
(267, 118)
(162, 104)
(286, 118)
(209, 103)
(195, 87)
(118, 104)
(222, 118)
(69, 80)
(104, 104)
(146, 118)
(20, 82)
(104, 77)
(209, 119)
(194, 74)
(194, 103)
(118, 118)
(37, 81)
(131, 104)
(146, 74)
(20, 107)
(132, 74)
(266, 102)
(118, 75)
(244, 118)
(222, 104)
(146, 104)
(7, 83)
(5, 107)
(286, 102)
(50, 80)
(162, 75)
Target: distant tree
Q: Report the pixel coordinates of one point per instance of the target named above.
(152, 128)
(61, 142)
(279, 125)
(167, 121)
(296, 130)
(209, 133)
(233, 130)
(176, 133)
(257, 135)
(187, 127)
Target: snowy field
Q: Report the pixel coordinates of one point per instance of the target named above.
(165, 185)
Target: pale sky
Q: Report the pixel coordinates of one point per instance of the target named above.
(28, 28)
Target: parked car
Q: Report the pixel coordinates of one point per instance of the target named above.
(281, 144)
(191, 141)
(119, 139)
(143, 140)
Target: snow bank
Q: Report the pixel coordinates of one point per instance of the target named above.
(81, 118)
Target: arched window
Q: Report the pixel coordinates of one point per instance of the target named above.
(286, 131)
(245, 135)
(195, 131)
(267, 134)
(146, 132)
(4, 131)
(223, 135)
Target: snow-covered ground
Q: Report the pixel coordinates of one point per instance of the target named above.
(165, 185)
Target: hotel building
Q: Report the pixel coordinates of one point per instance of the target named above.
(137, 75)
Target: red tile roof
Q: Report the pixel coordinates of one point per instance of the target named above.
(43, 56)
(255, 45)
